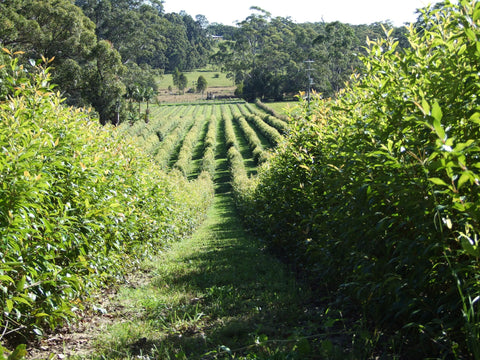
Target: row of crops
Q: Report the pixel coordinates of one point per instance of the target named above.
(375, 195)
(185, 137)
(81, 204)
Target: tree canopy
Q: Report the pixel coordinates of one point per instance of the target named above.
(104, 49)
(268, 56)
(100, 48)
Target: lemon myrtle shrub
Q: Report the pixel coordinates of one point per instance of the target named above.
(78, 205)
(376, 194)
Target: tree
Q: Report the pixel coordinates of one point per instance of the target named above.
(176, 76)
(201, 84)
(87, 71)
(182, 82)
(103, 76)
(148, 95)
(335, 58)
(179, 80)
(135, 28)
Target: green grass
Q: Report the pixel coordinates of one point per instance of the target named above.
(216, 290)
(215, 295)
(214, 79)
(280, 107)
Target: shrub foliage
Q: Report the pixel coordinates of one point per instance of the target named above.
(78, 205)
(376, 193)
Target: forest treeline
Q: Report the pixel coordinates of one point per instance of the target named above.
(110, 53)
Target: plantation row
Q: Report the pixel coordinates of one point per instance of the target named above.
(80, 204)
(184, 137)
(375, 196)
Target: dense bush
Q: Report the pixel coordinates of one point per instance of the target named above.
(78, 205)
(376, 193)
(210, 143)
(269, 132)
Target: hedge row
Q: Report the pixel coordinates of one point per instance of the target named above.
(253, 141)
(167, 147)
(376, 195)
(208, 161)
(78, 206)
(272, 134)
(184, 161)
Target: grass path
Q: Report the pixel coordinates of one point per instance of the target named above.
(215, 295)
(209, 296)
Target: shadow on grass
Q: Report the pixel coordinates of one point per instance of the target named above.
(233, 294)
(238, 295)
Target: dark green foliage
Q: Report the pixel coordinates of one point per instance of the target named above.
(376, 194)
(86, 71)
(180, 80)
(268, 56)
(201, 84)
(143, 34)
(102, 48)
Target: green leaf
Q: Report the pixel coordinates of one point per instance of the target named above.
(42, 314)
(19, 353)
(470, 249)
(438, 181)
(463, 179)
(437, 116)
(6, 278)
(21, 284)
(9, 304)
(22, 300)
(470, 34)
(425, 106)
(437, 111)
(476, 116)
(476, 15)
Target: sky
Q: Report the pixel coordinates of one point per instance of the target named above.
(346, 11)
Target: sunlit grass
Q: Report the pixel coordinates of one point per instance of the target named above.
(214, 79)
(217, 288)
(282, 106)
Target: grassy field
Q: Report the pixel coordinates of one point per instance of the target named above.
(217, 85)
(280, 107)
(214, 79)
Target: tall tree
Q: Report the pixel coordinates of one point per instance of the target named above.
(103, 75)
(182, 82)
(201, 84)
(270, 57)
(86, 72)
(134, 27)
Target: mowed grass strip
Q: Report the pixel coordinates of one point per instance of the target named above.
(210, 294)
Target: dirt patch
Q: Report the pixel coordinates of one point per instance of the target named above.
(219, 92)
(78, 338)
